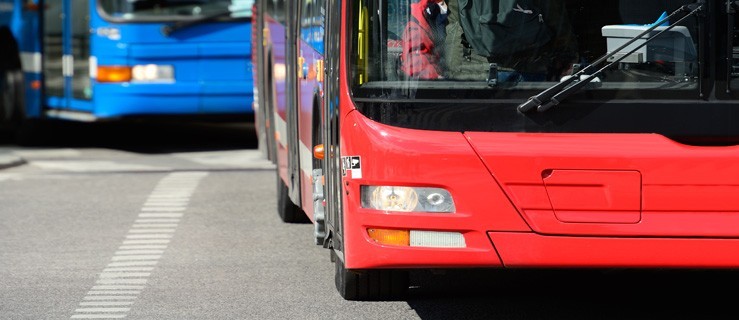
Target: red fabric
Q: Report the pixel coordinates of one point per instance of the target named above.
(419, 59)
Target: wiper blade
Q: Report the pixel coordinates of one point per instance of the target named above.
(167, 30)
(555, 94)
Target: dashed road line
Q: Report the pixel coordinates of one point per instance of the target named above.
(123, 279)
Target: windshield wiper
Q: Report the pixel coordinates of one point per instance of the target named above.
(555, 94)
(167, 30)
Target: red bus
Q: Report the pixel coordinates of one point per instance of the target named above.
(414, 134)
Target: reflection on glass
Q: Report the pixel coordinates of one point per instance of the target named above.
(403, 45)
(81, 50)
(53, 49)
(174, 9)
(734, 67)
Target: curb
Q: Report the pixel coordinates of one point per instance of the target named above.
(8, 161)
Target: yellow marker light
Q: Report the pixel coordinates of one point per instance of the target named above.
(318, 152)
(390, 236)
(301, 62)
(114, 74)
(319, 70)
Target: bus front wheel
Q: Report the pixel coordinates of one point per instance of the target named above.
(370, 285)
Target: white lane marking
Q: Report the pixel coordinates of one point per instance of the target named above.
(132, 263)
(154, 241)
(110, 297)
(124, 274)
(176, 193)
(143, 247)
(130, 267)
(124, 269)
(160, 215)
(165, 204)
(151, 231)
(105, 303)
(121, 281)
(155, 225)
(148, 236)
(171, 220)
(98, 316)
(132, 252)
(118, 287)
(102, 310)
(137, 257)
(168, 197)
(93, 293)
(163, 209)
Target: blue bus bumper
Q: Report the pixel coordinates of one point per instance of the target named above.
(133, 99)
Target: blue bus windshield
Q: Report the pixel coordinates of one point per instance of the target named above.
(148, 10)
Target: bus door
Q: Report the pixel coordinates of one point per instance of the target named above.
(66, 52)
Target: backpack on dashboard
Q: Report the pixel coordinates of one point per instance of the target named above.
(504, 27)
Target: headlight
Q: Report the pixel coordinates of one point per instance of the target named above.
(407, 199)
(152, 73)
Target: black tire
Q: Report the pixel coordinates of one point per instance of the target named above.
(8, 99)
(370, 285)
(25, 130)
(287, 210)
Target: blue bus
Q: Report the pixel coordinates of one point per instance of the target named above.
(94, 60)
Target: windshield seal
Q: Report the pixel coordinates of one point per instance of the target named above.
(171, 18)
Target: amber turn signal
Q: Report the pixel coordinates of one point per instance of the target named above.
(114, 74)
(318, 152)
(390, 236)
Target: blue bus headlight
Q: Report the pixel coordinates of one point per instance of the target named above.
(152, 73)
(407, 199)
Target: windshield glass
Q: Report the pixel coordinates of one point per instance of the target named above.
(733, 47)
(173, 9)
(474, 48)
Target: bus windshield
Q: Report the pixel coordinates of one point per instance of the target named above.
(148, 10)
(473, 48)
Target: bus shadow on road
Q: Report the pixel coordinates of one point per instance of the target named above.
(144, 136)
(575, 294)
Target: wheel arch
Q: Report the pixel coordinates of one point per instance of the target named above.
(9, 50)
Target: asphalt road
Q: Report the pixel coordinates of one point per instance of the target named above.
(178, 221)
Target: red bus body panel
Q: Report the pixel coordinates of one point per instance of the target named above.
(547, 200)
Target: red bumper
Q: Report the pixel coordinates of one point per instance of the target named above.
(534, 200)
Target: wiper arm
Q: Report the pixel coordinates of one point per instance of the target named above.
(167, 30)
(553, 95)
